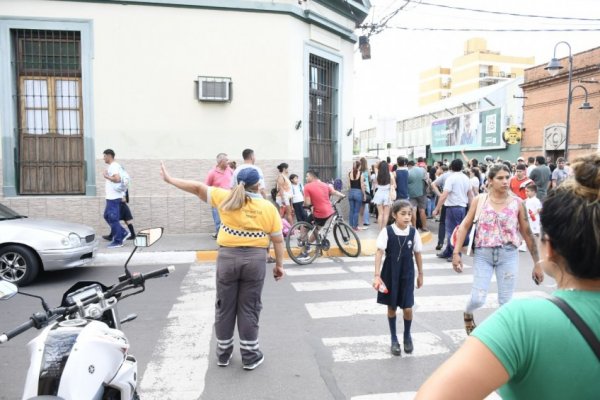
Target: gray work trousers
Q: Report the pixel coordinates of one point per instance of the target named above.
(240, 280)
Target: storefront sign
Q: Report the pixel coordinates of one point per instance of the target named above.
(472, 131)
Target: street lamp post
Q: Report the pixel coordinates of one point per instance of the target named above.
(553, 68)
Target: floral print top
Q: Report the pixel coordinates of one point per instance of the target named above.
(497, 228)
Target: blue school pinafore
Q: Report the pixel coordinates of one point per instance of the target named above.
(398, 272)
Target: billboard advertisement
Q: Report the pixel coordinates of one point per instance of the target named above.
(477, 130)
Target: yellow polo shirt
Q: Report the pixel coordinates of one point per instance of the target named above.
(250, 226)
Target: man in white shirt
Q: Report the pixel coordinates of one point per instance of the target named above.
(112, 211)
(249, 160)
(530, 165)
(457, 195)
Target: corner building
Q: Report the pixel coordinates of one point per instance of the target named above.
(176, 80)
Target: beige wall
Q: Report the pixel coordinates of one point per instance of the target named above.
(145, 62)
(152, 202)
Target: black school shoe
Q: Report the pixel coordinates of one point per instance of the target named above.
(107, 237)
(408, 346)
(395, 349)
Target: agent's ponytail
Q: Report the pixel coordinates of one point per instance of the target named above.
(237, 199)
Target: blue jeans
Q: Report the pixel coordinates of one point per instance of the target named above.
(430, 206)
(505, 260)
(454, 216)
(216, 218)
(355, 198)
(112, 214)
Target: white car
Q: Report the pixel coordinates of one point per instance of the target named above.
(28, 245)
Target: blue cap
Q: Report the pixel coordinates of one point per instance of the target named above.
(248, 176)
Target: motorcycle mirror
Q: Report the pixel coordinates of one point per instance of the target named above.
(7, 290)
(147, 237)
(144, 238)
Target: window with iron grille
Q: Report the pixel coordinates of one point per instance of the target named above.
(323, 93)
(50, 111)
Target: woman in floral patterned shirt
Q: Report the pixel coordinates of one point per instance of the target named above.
(503, 217)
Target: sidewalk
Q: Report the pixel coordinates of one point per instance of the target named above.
(201, 247)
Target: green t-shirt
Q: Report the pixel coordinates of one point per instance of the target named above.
(416, 178)
(543, 352)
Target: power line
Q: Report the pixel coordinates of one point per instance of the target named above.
(406, 28)
(507, 13)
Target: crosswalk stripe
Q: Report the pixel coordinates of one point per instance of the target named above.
(362, 284)
(406, 396)
(331, 285)
(426, 267)
(360, 348)
(347, 308)
(315, 271)
(457, 336)
(449, 279)
(180, 360)
(323, 260)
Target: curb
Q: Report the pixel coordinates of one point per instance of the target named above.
(368, 248)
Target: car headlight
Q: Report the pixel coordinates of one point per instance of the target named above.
(72, 241)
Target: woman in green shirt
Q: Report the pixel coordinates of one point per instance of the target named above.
(529, 349)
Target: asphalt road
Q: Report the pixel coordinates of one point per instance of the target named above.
(322, 333)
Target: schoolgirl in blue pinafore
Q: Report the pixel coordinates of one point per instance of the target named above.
(398, 271)
(401, 243)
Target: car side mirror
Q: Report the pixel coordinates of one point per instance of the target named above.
(147, 237)
(7, 290)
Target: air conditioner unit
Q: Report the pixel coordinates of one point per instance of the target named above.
(212, 88)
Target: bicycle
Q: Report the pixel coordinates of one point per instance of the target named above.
(305, 241)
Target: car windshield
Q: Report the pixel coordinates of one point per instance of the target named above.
(7, 213)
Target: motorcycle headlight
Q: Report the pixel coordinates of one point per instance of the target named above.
(73, 240)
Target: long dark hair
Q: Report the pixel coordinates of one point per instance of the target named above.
(383, 174)
(571, 218)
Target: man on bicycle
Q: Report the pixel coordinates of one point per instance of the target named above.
(316, 194)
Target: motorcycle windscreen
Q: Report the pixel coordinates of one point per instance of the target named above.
(57, 349)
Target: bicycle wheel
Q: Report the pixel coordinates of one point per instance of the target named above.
(301, 248)
(346, 239)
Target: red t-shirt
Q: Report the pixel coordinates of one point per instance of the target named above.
(318, 193)
(518, 186)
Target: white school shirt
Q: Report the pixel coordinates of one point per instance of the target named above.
(297, 191)
(382, 238)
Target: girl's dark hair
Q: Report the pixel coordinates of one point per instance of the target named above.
(282, 166)
(571, 218)
(383, 174)
(292, 176)
(494, 169)
(476, 172)
(399, 205)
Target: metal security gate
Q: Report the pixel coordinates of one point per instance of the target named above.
(323, 93)
(50, 111)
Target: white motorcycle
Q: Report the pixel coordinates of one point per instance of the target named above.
(82, 354)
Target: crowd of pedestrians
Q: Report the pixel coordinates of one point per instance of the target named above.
(494, 208)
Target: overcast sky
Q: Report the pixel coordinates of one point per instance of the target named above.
(388, 82)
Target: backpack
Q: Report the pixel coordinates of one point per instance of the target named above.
(123, 185)
(337, 184)
(274, 192)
